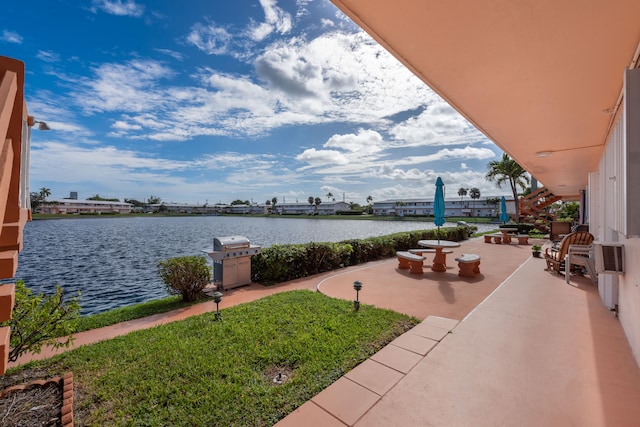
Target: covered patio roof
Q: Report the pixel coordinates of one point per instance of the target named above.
(541, 78)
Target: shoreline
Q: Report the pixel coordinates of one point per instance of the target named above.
(469, 220)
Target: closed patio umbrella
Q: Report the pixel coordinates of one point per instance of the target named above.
(438, 205)
(504, 216)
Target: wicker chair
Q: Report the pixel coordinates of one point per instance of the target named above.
(555, 257)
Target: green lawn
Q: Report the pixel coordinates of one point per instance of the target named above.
(201, 372)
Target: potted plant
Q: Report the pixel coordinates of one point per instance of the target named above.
(535, 250)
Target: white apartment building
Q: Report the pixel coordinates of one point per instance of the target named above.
(71, 206)
(482, 207)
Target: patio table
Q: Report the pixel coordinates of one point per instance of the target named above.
(506, 237)
(439, 260)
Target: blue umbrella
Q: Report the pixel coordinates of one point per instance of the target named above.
(504, 216)
(438, 205)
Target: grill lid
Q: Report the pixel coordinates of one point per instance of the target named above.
(230, 242)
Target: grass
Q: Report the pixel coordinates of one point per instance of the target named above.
(136, 311)
(204, 372)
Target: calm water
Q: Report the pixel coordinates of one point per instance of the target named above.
(111, 261)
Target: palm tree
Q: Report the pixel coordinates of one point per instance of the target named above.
(274, 202)
(310, 200)
(462, 192)
(369, 204)
(45, 192)
(474, 193)
(317, 201)
(329, 195)
(508, 170)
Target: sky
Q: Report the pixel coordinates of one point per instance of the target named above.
(214, 101)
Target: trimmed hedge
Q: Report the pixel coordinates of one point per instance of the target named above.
(523, 228)
(281, 263)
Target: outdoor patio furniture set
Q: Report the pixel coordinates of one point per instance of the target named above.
(413, 259)
(505, 237)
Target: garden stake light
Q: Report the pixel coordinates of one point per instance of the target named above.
(357, 285)
(217, 297)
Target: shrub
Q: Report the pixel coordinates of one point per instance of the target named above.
(186, 275)
(38, 319)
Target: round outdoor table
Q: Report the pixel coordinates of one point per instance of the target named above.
(439, 261)
(506, 237)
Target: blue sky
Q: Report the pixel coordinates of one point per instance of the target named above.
(213, 101)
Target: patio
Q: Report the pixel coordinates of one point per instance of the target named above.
(535, 352)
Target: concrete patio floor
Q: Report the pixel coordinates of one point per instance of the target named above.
(513, 346)
(535, 352)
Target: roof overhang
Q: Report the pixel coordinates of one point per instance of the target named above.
(535, 76)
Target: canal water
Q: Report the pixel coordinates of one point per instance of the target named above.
(112, 261)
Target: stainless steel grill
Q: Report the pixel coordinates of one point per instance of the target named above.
(231, 257)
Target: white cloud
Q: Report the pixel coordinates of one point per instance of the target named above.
(334, 78)
(211, 39)
(402, 174)
(449, 154)
(438, 124)
(276, 19)
(322, 157)
(119, 7)
(286, 70)
(127, 87)
(48, 56)
(326, 23)
(344, 76)
(11, 37)
(172, 53)
(121, 125)
(363, 143)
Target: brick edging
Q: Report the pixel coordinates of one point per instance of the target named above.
(67, 394)
(67, 400)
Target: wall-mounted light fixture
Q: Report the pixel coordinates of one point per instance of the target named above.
(31, 121)
(42, 125)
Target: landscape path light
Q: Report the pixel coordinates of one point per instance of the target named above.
(357, 285)
(217, 297)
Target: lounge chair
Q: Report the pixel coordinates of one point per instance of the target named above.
(579, 258)
(555, 257)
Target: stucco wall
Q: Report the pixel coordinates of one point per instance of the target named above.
(629, 296)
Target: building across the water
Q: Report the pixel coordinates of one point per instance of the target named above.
(483, 207)
(71, 206)
(299, 208)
